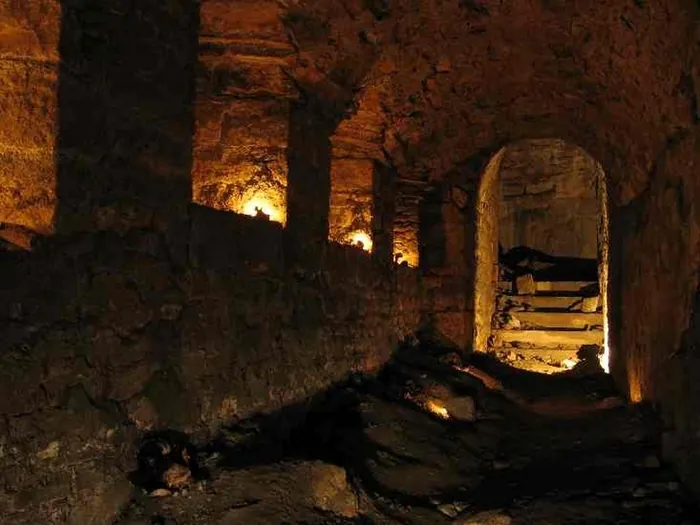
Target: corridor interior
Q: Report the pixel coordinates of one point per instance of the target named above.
(349, 262)
(552, 258)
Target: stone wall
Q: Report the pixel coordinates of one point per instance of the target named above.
(655, 255)
(106, 336)
(352, 198)
(242, 108)
(29, 34)
(549, 200)
(486, 271)
(444, 259)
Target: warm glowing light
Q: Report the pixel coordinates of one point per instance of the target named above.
(361, 240)
(605, 356)
(569, 363)
(411, 259)
(437, 409)
(635, 387)
(261, 207)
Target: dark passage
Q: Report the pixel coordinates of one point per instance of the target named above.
(522, 260)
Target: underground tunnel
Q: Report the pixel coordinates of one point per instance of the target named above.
(349, 262)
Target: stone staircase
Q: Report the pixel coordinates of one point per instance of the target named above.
(541, 326)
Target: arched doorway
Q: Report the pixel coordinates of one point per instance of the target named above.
(541, 257)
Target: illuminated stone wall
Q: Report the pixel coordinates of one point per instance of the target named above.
(549, 200)
(357, 185)
(486, 252)
(407, 224)
(352, 201)
(240, 157)
(242, 109)
(29, 41)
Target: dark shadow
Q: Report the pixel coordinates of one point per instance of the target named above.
(126, 94)
(309, 154)
(383, 212)
(522, 260)
(431, 230)
(368, 426)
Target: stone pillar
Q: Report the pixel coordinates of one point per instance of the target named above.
(308, 183)
(126, 102)
(384, 213)
(452, 318)
(444, 241)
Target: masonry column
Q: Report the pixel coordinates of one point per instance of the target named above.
(308, 182)
(444, 240)
(126, 102)
(384, 212)
(453, 316)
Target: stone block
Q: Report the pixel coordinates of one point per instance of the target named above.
(525, 285)
(590, 304)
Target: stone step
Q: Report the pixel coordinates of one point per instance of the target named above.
(551, 356)
(565, 286)
(553, 286)
(542, 352)
(571, 320)
(547, 338)
(535, 365)
(541, 302)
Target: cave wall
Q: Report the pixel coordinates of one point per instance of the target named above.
(548, 199)
(352, 200)
(654, 251)
(29, 34)
(486, 235)
(620, 83)
(242, 107)
(132, 340)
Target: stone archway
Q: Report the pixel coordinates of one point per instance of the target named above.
(541, 220)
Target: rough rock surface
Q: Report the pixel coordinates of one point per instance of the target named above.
(106, 337)
(116, 113)
(549, 199)
(397, 462)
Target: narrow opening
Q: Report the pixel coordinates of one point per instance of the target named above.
(542, 258)
(239, 167)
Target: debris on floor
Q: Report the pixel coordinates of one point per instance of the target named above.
(433, 439)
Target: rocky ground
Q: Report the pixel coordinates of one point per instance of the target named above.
(431, 440)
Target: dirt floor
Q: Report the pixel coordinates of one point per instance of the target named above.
(431, 440)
